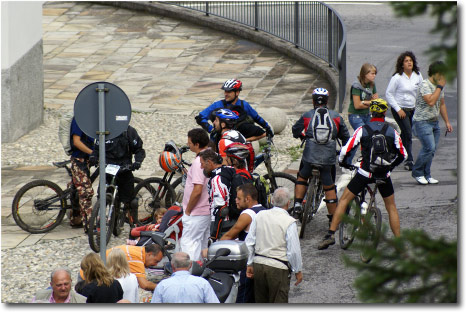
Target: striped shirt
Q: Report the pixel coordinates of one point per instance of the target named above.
(423, 110)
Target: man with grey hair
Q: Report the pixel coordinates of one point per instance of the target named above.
(60, 291)
(182, 287)
(274, 251)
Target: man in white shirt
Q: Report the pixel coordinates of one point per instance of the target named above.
(274, 251)
(196, 216)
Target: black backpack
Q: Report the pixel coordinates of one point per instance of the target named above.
(238, 179)
(261, 187)
(380, 156)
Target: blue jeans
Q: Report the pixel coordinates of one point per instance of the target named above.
(356, 121)
(428, 133)
(405, 125)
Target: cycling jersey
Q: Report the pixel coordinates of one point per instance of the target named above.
(219, 188)
(322, 154)
(395, 146)
(203, 118)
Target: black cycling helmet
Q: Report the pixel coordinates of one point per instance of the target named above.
(232, 85)
(320, 96)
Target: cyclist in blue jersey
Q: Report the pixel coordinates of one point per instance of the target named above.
(247, 115)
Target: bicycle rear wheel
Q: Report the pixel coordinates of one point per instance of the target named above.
(313, 195)
(119, 219)
(39, 206)
(153, 193)
(94, 224)
(373, 220)
(280, 179)
(347, 230)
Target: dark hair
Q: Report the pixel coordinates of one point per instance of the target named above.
(199, 136)
(378, 115)
(400, 60)
(209, 154)
(237, 163)
(153, 249)
(436, 67)
(248, 189)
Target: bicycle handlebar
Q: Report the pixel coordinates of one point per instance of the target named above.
(347, 166)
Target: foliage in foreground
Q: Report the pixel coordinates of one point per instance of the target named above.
(412, 268)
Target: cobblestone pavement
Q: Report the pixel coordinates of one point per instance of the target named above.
(170, 70)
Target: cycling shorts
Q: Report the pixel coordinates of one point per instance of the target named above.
(359, 182)
(327, 173)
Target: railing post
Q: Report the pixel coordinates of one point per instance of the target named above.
(207, 8)
(296, 23)
(330, 37)
(256, 15)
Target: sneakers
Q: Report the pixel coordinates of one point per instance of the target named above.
(422, 180)
(409, 165)
(297, 209)
(329, 239)
(432, 180)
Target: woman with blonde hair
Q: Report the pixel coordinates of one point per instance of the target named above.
(118, 267)
(363, 90)
(99, 287)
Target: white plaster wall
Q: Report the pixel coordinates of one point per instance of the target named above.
(21, 29)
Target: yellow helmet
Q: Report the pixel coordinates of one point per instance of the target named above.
(378, 106)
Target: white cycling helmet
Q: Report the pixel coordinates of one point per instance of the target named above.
(320, 96)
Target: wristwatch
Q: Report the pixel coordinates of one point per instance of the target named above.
(440, 87)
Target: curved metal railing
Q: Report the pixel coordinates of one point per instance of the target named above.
(310, 25)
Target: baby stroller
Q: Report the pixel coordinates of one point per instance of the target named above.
(171, 227)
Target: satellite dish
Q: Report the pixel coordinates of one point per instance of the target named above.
(117, 110)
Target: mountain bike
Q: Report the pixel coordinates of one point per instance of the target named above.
(367, 215)
(273, 179)
(40, 205)
(114, 214)
(314, 195)
(153, 193)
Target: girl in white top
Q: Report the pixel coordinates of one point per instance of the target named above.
(401, 95)
(118, 267)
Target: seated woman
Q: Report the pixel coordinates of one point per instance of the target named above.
(118, 267)
(99, 285)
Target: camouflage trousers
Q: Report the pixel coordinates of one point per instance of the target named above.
(82, 181)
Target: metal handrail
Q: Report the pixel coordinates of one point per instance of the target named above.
(310, 25)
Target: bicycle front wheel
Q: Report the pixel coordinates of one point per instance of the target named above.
(94, 224)
(178, 189)
(373, 220)
(153, 193)
(280, 179)
(346, 229)
(39, 206)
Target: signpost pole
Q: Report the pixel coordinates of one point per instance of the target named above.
(102, 182)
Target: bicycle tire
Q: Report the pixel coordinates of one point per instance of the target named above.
(282, 179)
(147, 204)
(26, 203)
(373, 215)
(308, 206)
(178, 189)
(348, 230)
(94, 224)
(119, 219)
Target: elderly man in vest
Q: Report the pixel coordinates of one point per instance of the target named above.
(274, 251)
(61, 291)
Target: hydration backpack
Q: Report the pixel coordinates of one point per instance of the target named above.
(64, 132)
(380, 156)
(321, 126)
(238, 179)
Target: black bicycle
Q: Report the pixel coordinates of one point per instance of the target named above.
(40, 205)
(367, 215)
(115, 216)
(154, 192)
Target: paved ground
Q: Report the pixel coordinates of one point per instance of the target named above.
(163, 65)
